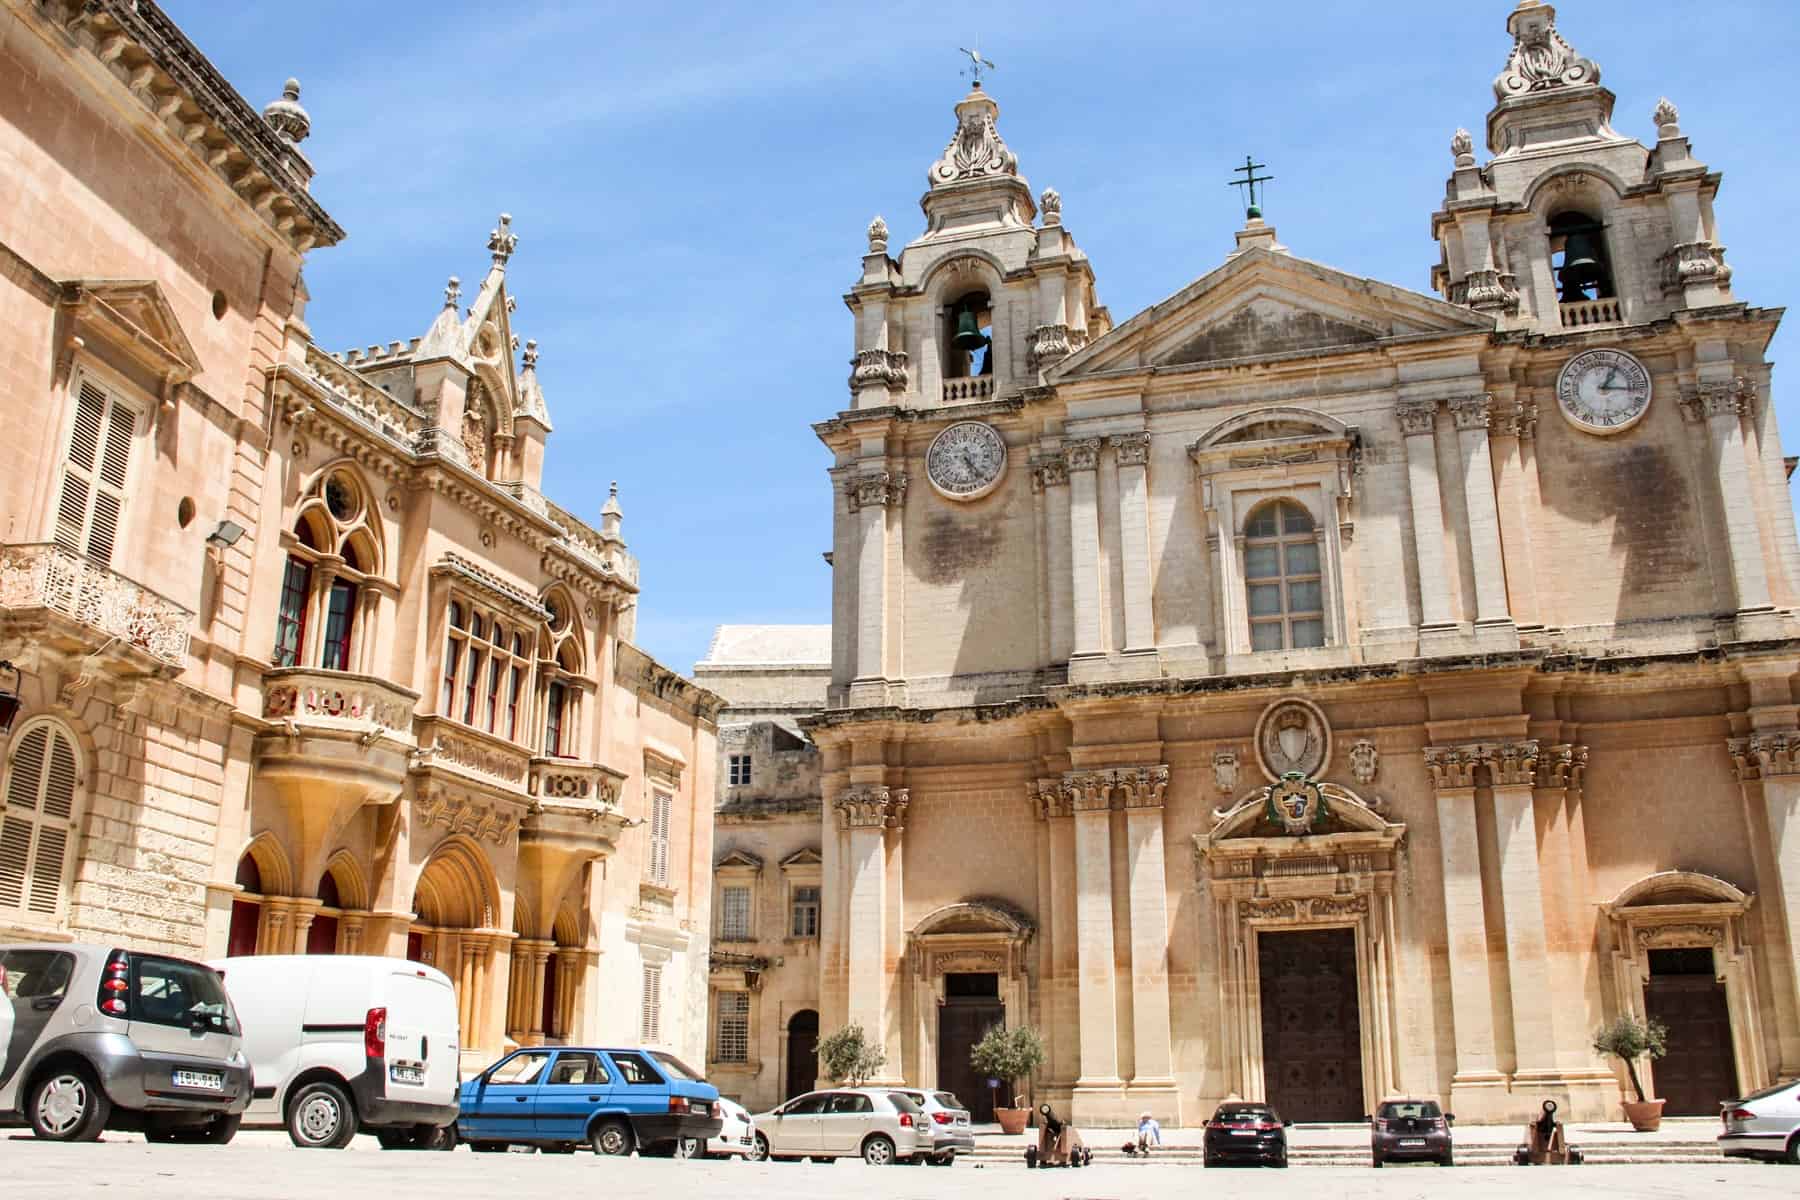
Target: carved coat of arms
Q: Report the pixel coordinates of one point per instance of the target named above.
(1296, 803)
(1292, 737)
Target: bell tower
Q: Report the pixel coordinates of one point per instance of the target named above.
(1571, 224)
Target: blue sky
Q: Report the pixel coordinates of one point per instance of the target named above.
(690, 184)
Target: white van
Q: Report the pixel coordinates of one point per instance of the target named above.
(342, 1043)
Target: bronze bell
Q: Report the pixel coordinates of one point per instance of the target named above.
(1581, 267)
(968, 337)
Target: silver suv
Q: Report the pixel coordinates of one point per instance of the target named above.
(105, 1038)
(945, 1119)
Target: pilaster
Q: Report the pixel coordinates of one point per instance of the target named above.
(1418, 425)
(866, 812)
(1724, 403)
(1153, 1079)
(1493, 622)
(1089, 795)
(870, 494)
(1081, 458)
(1133, 455)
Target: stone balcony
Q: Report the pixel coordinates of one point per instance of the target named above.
(963, 390)
(1581, 314)
(71, 603)
(574, 818)
(305, 696)
(332, 742)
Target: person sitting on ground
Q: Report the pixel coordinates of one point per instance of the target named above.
(1149, 1133)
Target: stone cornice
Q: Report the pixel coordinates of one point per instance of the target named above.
(649, 679)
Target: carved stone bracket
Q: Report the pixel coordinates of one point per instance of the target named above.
(876, 488)
(886, 368)
(872, 806)
(1049, 344)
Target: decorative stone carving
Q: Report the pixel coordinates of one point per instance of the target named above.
(1082, 454)
(474, 430)
(1667, 118)
(975, 151)
(1722, 397)
(1560, 766)
(45, 576)
(1322, 907)
(338, 698)
(1047, 798)
(878, 235)
(1050, 343)
(1049, 472)
(1141, 787)
(1133, 449)
(460, 813)
(872, 806)
(1776, 753)
(878, 487)
(1472, 412)
(1281, 910)
(291, 122)
(1512, 764)
(1663, 936)
(1292, 736)
(1744, 764)
(502, 241)
(1416, 416)
(1225, 771)
(884, 367)
(1297, 805)
(1365, 761)
(1050, 203)
(1452, 767)
(1540, 59)
(507, 765)
(1462, 147)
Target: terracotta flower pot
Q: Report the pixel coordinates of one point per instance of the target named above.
(1012, 1120)
(1645, 1115)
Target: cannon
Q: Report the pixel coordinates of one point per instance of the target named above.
(1545, 1144)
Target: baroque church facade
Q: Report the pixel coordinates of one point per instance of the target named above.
(298, 656)
(1214, 689)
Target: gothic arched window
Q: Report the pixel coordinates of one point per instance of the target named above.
(334, 556)
(1282, 578)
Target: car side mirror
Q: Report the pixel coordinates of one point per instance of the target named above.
(1449, 1118)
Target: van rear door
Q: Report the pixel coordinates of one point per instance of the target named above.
(422, 1052)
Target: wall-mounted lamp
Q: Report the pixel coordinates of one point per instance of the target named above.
(225, 536)
(9, 698)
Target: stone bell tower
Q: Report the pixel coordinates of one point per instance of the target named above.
(1571, 224)
(982, 300)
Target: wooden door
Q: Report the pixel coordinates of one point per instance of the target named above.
(1698, 1071)
(1311, 1029)
(802, 1053)
(961, 1023)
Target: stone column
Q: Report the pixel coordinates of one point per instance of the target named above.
(1725, 402)
(1090, 796)
(1133, 451)
(870, 494)
(1477, 1085)
(535, 962)
(1082, 458)
(1418, 422)
(1153, 1079)
(866, 812)
(1513, 767)
(1472, 414)
(350, 932)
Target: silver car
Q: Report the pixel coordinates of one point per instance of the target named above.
(878, 1125)
(947, 1121)
(106, 1038)
(1764, 1124)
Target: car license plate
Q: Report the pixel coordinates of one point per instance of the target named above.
(406, 1073)
(1243, 1133)
(199, 1079)
(1412, 1141)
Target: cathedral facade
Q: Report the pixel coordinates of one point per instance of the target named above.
(298, 656)
(1309, 689)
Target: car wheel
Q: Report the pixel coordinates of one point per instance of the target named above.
(435, 1137)
(690, 1147)
(759, 1152)
(878, 1151)
(66, 1105)
(1793, 1150)
(1376, 1161)
(320, 1117)
(1281, 1159)
(611, 1137)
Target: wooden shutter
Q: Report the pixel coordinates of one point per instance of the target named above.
(652, 1030)
(660, 805)
(92, 504)
(38, 820)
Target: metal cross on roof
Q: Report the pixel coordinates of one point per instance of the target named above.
(977, 64)
(1248, 184)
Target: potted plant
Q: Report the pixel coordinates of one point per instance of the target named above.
(849, 1057)
(1009, 1055)
(1629, 1039)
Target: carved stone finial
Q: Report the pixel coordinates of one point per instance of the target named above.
(502, 241)
(1051, 204)
(1667, 118)
(285, 116)
(452, 292)
(878, 235)
(1540, 59)
(975, 151)
(1462, 146)
(531, 353)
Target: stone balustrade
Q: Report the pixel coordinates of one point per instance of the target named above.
(307, 694)
(469, 751)
(960, 391)
(1578, 314)
(47, 577)
(570, 781)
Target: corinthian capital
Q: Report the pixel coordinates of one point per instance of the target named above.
(1133, 449)
(1416, 416)
(1082, 454)
(1141, 787)
(871, 806)
(1472, 412)
(1452, 767)
(1512, 764)
(1776, 753)
(876, 488)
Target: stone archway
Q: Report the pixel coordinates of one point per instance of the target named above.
(457, 902)
(973, 938)
(1672, 911)
(1331, 879)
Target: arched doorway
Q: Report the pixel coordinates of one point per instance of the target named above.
(246, 909)
(455, 903)
(802, 1053)
(968, 967)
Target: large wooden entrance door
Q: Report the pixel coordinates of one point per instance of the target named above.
(803, 1053)
(1683, 994)
(1311, 1031)
(971, 1007)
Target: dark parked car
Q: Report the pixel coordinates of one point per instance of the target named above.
(1410, 1131)
(1246, 1133)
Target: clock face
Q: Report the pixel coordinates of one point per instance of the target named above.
(1603, 391)
(966, 460)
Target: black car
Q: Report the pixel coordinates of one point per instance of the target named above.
(1246, 1133)
(1410, 1131)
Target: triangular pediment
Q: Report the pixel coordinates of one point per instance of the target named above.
(807, 856)
(1261, 306)
(738, 858)
(137, 317)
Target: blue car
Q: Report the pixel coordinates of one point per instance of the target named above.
(559, 1097)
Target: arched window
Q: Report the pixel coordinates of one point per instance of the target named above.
(290, 622)
(969, 337)
(1282, 579)
(559, 666)
(37, 831)
(1578, 257)
(325, 589)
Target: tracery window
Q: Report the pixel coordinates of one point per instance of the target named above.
(1282, 580)
(559, 664)
(333, 561)
(485, 669)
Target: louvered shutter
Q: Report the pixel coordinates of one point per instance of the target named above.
(89, 511)
(659, 838)
(652, 1024)
(36, 827)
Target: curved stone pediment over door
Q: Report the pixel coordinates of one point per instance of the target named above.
(973, 936)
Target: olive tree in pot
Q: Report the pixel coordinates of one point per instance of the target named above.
(849, 1057)
(1629, 1039)
(1009, 1055)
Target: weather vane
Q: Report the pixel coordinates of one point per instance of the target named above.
(1248, 183)
(977, 64)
